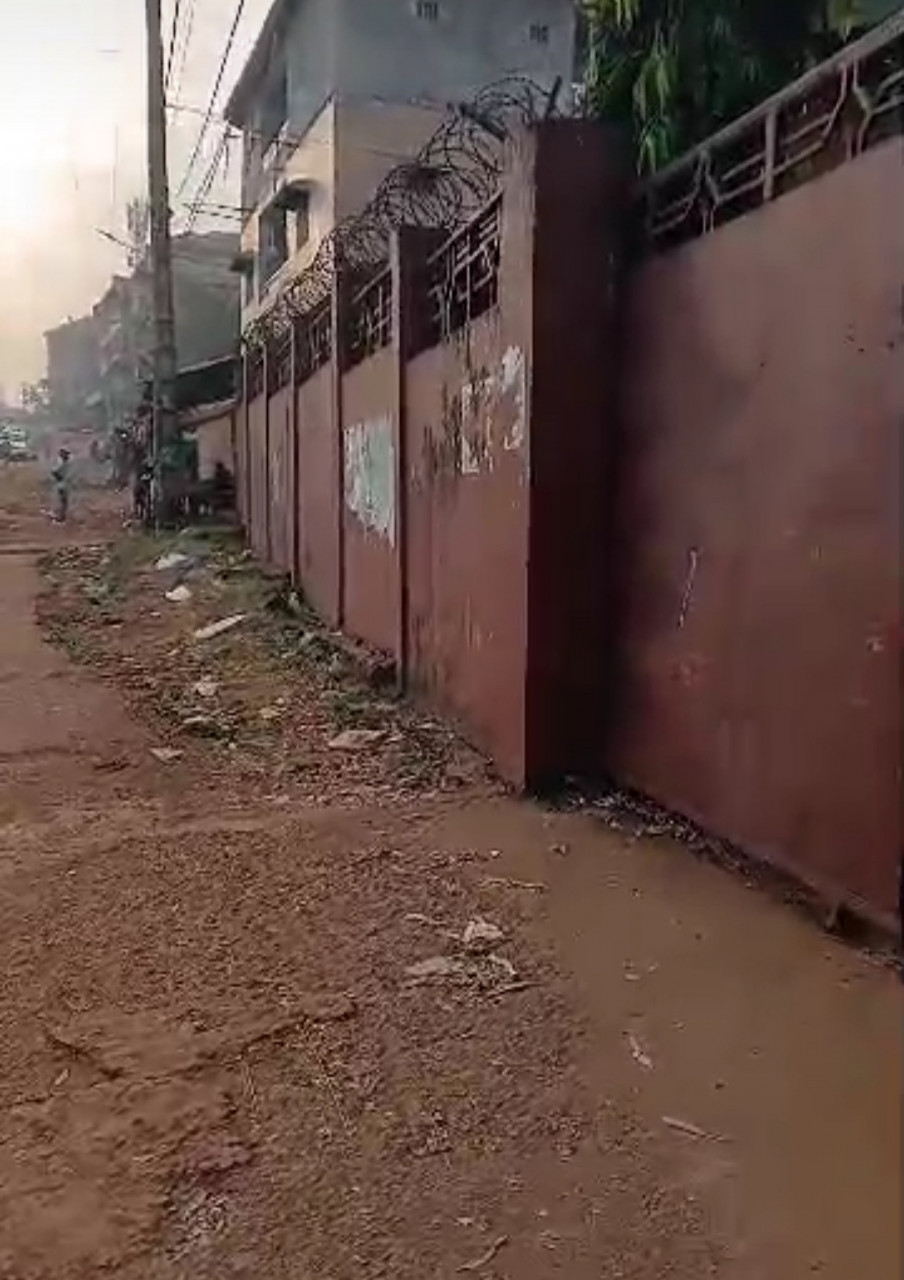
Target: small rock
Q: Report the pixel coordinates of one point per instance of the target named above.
(357, 739)
(268, 713)
(166, 754)
(179, 595)
(480, 935)
(172, 560)
(203, 726)
(218, 628)
(501, 962)
(206, 687)
(685, 1126)
(638, 1052)
(436, 967)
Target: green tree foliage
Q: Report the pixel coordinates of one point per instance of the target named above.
(673, 71)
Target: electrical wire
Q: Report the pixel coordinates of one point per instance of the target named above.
(211, 107)
(206, 184)
(171, 55)
(176, 86)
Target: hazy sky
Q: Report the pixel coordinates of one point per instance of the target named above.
(72, 109)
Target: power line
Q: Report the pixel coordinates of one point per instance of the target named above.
(209, 114)
(183, 54)
(206, 183)
(171, 54)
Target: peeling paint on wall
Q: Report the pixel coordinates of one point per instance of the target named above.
(489, 411)
(370, 475)
(513, 383)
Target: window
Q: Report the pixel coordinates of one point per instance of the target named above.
(248, 286)
(427, 9)
(274, 107)
(302, 220)
(539, 33)
(274, 244)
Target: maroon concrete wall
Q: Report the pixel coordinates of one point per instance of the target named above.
(257, 519)
(757, 635)
(318, 493)
(281, 481)
(369, 438)
(467, 543)
(641, 524)
(242, 478)
(467, 412)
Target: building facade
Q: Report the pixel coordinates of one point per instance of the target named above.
(122, 318)
(99, 362)
(73, 368)
(338, 92)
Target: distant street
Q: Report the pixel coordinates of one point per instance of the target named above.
(292, 989)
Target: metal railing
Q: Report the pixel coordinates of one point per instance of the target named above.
(279, 362)
(254, 373)
(313, 341)
(461, 278)
(440, 189)
(834, 112)
(369, 319)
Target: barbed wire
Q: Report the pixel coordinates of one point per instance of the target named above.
(454, 174)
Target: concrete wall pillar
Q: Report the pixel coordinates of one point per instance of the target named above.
(580, 194)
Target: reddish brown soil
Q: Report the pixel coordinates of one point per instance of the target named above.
(214, 1064)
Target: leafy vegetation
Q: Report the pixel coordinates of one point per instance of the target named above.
(673, 71)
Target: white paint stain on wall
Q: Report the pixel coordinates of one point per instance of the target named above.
(370, 475)
(513, 382)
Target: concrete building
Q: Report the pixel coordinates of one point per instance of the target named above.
(205, 296)
(73, 368)
(124, 335)
(337, 92)
(206, 305)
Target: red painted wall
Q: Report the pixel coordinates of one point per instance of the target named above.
(370, 417)
(258, 487)
(318, 493)
(758, 640)
(467, 546)
(241, 462)
(281, 481)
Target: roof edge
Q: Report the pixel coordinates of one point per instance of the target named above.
(281, 12)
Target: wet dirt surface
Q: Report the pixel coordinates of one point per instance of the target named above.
(242, 1034)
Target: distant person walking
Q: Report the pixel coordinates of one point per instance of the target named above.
(61, 475)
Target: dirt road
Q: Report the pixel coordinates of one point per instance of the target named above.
(242, 1033)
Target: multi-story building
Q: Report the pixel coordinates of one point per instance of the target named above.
(338, 92)
(205, 296)
(123, 340)
(73, 368)
(206, 307)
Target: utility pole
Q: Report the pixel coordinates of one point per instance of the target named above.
(165, 422)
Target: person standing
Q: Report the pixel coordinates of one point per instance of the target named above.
(61, 475)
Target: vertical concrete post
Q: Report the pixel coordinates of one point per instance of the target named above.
(409, 251)
(339, 328)
(268, 549)
(401, 345)
(295, 455)
(580, 199)
(246, 474)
